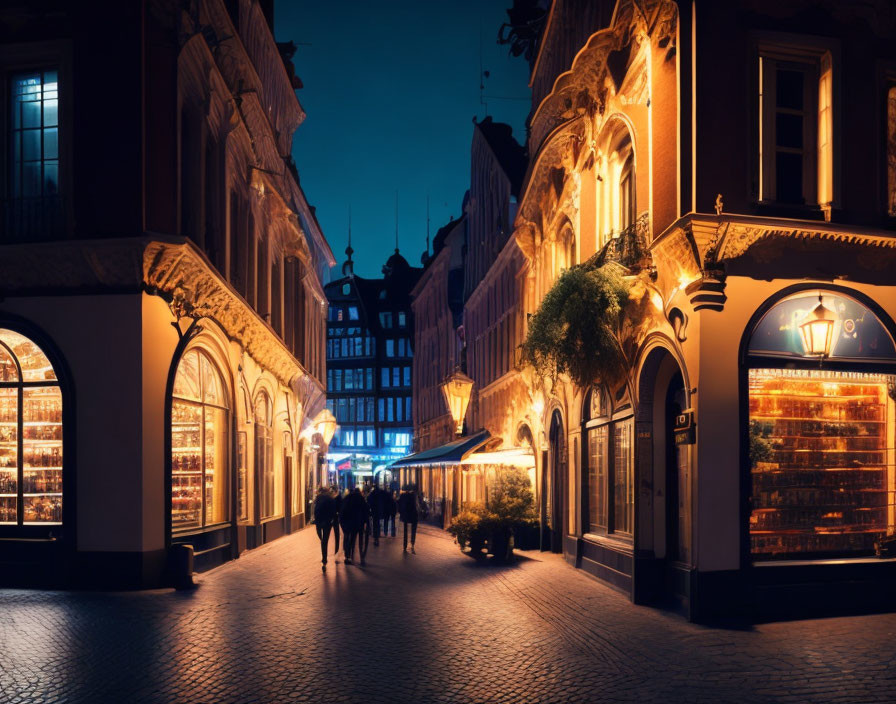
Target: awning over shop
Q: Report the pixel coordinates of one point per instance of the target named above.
(450, 453)
(511, 457)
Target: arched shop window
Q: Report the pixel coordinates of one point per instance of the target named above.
(199, 444)
(610, 463)
(30, 435)
(264, 454)
(821, 429)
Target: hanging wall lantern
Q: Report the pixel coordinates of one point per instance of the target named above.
(325, 425)
(457, 389)
(817, 331)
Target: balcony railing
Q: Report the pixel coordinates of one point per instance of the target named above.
(628, 247)
(31, 219)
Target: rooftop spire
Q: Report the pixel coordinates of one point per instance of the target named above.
(348, 268)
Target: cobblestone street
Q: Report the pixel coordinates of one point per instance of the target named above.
(430, 627)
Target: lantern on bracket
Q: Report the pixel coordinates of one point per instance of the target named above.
(817, 331)
(457, 389)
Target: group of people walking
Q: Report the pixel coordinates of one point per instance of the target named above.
(359, 514)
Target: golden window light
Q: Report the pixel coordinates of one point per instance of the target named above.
(817, 331)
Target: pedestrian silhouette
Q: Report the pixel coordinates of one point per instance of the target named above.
(355, 513)
(337, 504)
(324, 516)
(407, 511)
(390, 508)
(376, 501)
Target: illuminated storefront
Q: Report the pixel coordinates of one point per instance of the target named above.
(822, 426)
(31, 451)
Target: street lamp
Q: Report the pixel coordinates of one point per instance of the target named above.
(457, 389)
(325, 425)
(818, 331)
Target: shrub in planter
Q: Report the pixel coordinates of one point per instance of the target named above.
(511, 505)
(465, 527)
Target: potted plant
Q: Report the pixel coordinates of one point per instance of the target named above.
(510, 509)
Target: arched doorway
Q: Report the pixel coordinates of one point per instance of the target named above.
(556, 494)
(664, 529)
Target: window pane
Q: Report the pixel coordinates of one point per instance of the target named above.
(821, 466)
(186, 381)
(623, 504)
(242, 477)
(789, 177)
(34, 363)
(31, 145)
(186, 465)
(51, 144)
(215, 465)
(789, 130)
(790, 89)
(597, 477)
(212, 386)
(9, 463)
(7, 366)
(51, 112)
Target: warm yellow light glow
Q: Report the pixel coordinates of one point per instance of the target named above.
(657, 301)
(538, 407)
(511, 457)
(325, 424)
(457, 389)
(817, 331)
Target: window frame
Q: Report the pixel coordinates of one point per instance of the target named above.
(797, 48)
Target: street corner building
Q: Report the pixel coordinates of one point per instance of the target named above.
(733, 165)
(162, 314)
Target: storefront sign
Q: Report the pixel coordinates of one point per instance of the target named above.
(685, 429)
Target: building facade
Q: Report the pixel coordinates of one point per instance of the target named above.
(370, 353)
(734, 162)
(162, 358)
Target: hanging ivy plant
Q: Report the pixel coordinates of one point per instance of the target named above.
(575, 330)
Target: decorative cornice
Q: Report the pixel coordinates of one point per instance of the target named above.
(171, 267)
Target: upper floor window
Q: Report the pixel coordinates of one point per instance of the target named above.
(795, 126)
(386, 319)
(353, 313)
(346, 289)
(402, 320)
(34, 207)
(891, 150)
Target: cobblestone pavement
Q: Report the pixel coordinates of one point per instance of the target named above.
(430, 627)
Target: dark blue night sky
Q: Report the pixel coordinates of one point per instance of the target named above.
(391, 88)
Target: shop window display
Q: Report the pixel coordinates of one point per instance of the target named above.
(30, 434)
(199, 442)
(610, 461)
(264, 455)
(821, 439)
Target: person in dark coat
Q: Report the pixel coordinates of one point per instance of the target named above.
(407, 511)
(337, 507)
(355, 513)
(390, 508)
(324, 516)
(376, 502)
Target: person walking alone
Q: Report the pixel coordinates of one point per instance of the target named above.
(354, 514)
(389, 511)
(324, 517)
(376, 502)
(407, 511)
(337, 512)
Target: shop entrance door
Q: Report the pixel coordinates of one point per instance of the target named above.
(678, 491)
(557, 517)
